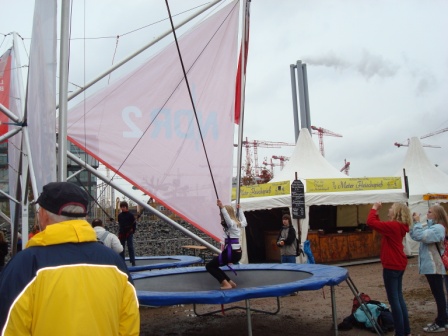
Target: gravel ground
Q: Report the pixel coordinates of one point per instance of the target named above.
(308, 313)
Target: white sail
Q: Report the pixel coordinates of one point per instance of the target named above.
(143, 126)
(14, 143)
(41, 96)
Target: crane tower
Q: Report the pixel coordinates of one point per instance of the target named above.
(255, 144)
(321, 132)
(434, 133)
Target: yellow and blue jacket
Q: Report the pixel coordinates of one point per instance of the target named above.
(66, 283)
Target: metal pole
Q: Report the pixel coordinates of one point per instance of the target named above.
(295, 111)
(334, 311)
(243, 85)
(125, 60)
(9, 114)
(143, 204)
(63, 90)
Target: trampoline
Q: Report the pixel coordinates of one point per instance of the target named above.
(158, 262)
(194, 285)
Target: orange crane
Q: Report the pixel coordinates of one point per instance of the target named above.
(282, 160)
(320, 132)
(434, 133)
(270, 164)
(255, 144)
(346, 167)
(407, 145)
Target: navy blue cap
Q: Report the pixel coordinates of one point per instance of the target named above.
(57, 195)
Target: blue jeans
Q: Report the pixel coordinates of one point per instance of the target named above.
(130, 241)
(288, 259)
(393, 283)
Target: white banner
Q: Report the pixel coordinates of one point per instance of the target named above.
(41, 98)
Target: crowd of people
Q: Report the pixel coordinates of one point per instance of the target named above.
(64, 246)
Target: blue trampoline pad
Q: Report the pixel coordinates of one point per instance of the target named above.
(196, 285)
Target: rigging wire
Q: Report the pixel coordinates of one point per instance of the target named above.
(151, 123)
(85, 107)
(117, 37)
(113, 57)
(191, 97)
(93, 198)
(141, 28)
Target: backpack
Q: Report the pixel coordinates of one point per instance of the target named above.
(445, 254)
(374, 308)
(358, 318)
(386, 320)
(364, 298)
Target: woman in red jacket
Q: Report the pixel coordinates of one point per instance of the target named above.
(393, 259)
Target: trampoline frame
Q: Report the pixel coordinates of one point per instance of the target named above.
(315, 282)
(222, 310)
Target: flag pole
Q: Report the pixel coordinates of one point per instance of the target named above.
(63, 91)
(243, 54)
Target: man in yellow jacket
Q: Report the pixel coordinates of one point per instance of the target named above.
(65, 282)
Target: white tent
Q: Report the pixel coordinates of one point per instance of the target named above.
(424, 178)
(307, 161)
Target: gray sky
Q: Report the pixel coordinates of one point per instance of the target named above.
(377, 70)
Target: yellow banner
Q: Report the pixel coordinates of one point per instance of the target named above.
(266, 189)
(428, 197)
(352, 184)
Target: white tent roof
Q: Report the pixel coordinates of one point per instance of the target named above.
(307, 161)
(423, 176)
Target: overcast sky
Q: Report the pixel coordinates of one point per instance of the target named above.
(377, 70)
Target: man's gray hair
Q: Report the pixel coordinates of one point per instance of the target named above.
(74, 209)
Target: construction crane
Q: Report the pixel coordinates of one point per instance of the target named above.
(255, 144)
(282, 160)
(434, 133)
(270, 164)
(407, 145)
(346, 167)
(321, 132)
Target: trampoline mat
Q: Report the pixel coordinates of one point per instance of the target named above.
(158, 262)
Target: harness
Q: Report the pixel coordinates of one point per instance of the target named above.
(228, 250)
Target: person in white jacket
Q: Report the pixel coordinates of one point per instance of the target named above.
(231, 253)
(107, 238)
(431, 236)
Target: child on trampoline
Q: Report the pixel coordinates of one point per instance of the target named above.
(231, 253)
